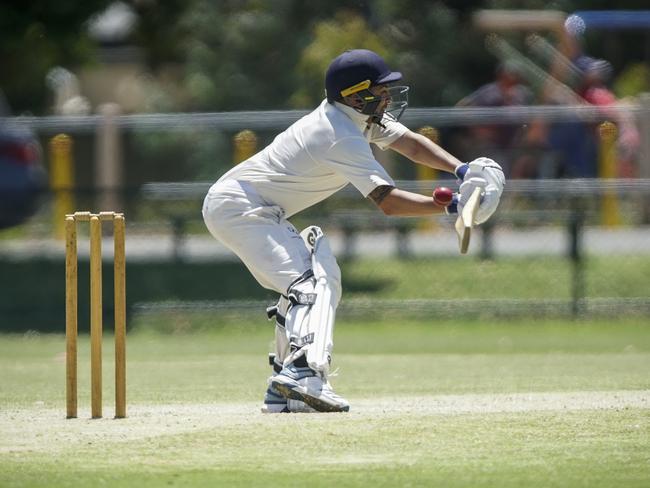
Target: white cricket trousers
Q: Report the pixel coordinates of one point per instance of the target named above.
(256, 231)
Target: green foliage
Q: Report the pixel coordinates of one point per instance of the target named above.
(331, 37)
(159, 30)
(36, 36)
(181, 156)
(563, 5)
(239, 55)
(634, 80)
(243, 59)
(210, 55)
(436, 51)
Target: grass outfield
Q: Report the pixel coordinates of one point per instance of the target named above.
(542, 277)
(518, 403)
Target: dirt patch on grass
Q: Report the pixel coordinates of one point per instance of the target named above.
(38, 429)
(507, 403)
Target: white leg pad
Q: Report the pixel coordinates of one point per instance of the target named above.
(312, 318)
(281, 339)
(281, 345)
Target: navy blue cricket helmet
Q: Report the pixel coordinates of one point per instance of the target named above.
(354, 67)
(357, 70)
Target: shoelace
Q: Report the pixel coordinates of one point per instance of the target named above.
(334, 373)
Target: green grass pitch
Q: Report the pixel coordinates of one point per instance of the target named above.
(474, 404)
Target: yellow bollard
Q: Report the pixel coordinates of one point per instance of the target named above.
(607, 134)
(245, 145)
(61, 180)
(425, 173)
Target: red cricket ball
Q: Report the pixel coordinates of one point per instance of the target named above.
(443, 196)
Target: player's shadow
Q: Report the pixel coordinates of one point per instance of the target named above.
(365, 285)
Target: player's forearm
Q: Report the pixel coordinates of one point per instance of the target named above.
(421, 150)
(434, 156)
(396, 202)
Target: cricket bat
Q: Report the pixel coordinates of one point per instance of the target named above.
(465, 220)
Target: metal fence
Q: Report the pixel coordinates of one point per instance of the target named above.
(569, 246)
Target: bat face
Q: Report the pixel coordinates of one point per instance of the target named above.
(465, 220)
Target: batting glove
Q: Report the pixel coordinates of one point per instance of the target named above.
(487, 174)
(485, 168)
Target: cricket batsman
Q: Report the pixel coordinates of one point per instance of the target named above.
(248, 209)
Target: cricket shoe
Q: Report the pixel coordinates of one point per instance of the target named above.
(274, 402)
(305, 385)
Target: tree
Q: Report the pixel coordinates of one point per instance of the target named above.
(239, 55)
(438, 52)
(346, 30)
(36, 36)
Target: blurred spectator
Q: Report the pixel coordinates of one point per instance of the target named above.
(576, 144)
(507, 89)
(496, 140)
(594, 89)
(596, 73)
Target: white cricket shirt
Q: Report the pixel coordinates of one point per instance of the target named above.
(317, 156)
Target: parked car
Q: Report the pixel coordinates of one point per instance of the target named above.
(23, 180)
